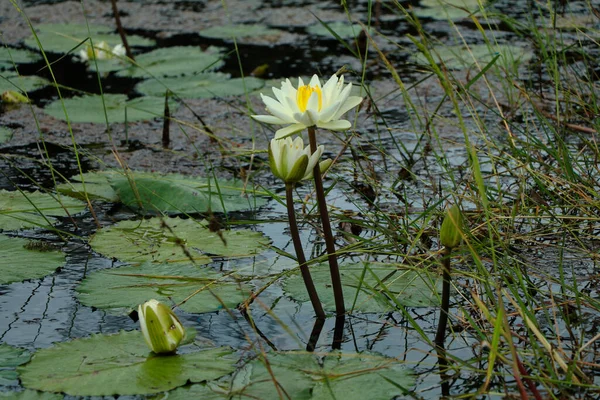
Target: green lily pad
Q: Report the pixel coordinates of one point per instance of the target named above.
(409, 288)
(10, 358)
(9, 57)
(22, 259)
(22, 83)
(5, 134)
(227, 32)
(206, 85)
(96, 187)
(459, 57)
(90, 108)
(122, 289)
(174, 61)
(447, 9)
(28, 394)
(61, 38)
(31, 210)
(121, 364)
(342, 29)
(169, 239)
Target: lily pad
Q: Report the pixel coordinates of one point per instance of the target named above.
(169, 239)
(5, 134)
(22, 259)
(227, 32)
(121, 364)
(31, 210)
(90, 108)
(96, 185)
(122, 289)
(459, 57)
(61, 38)
(28, 394)
(342, 29)
(206, 85)
(9, 57)
(174, 61)
(362, 291)
(10, 358)
(447, 9)
(22, 83)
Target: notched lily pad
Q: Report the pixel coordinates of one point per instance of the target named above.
(61, 38)
(90, 108)
(122, 289)
(362, 290)
(174, 61)
(10, 358)
(22, 83)
(206, 85)
(22, 259)
(121, 364)
(32, 210)
(173, 240)
(9, 57)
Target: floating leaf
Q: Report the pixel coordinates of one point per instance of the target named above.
(227, 32)
(206, 85)
(174, 61)
(61, 38)
(107, 365)
(342, 29)
(90, 108)
(122, 289)
(9, 57)
(458, 57)
(22, 83)
(97, 186)
(5, 134)
(22, 259)
(362, 291)
(22, 210)
(447, 9)
(164, 240)
(31, 395)
(10, 358)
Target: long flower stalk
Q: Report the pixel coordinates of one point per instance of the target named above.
(334, 269)
(308, 282)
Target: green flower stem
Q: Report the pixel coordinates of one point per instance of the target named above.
(308, 282)
(334, 269)
(440, 335)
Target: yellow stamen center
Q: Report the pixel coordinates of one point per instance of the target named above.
(304, 93)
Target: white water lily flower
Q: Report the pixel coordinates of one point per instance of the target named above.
(292, 162)
(101, 51)
(309, 105)
(160, 326)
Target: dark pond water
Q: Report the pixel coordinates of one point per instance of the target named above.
(37, 313)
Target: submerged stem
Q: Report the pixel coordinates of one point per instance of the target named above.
(308, 282)
(334, 269)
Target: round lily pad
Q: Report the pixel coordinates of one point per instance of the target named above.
(206, 85)
(121, 364)
(174, 61)
(28, 394)
(344, 30)
(22, 83)
(122, 289)
(21, 210)
(90, 108)
(447, 9)
(364, 292)
(5, 134)
(9, 57)
(10, 358)
(174, 240)
(227, 32)
(61, 38)
(22, 259)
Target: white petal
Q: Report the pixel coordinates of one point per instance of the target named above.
(313, 116)
(269, 119)
(289, 130)
(313, 103)
(300, 82)
(314, 81)
(350, 103)
(275, 108)
(303, 118)
(329, 90)
(327, 114)
(337, 125)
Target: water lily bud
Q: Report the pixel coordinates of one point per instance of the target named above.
(161, 328)
(451, 231)
(291, 161)
(14, 97)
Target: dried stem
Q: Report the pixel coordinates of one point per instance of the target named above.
(334, 269)
(121, 30)
(308, 282)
